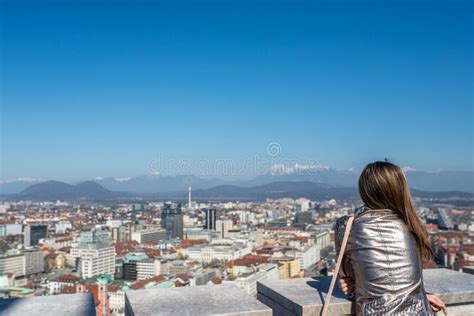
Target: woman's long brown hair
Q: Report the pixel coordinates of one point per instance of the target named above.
(382, 185)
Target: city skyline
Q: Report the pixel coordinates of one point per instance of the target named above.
(337, 84)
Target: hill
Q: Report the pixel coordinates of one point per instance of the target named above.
(56, 190)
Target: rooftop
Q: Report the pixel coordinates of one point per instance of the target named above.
(305, 296)
(300, 296)
(224, 299)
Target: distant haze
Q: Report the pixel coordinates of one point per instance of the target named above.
(426, 181)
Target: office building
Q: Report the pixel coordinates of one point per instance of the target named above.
(303, 218)
(93, 254)
(130, 262)
(210, 218)
(14, 262)
(148, 268)
(150, 234)
(307, 255)
(22, 262)
(13, 229)
(223, 226)
(33, 261)
(35, 232)
(172, 220)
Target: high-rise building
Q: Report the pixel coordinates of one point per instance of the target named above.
(93, 254)
(223, 226)
(210, 218)
(35, 232)
(303, 218)
(190, 203)
(172, 220)
(33, 261)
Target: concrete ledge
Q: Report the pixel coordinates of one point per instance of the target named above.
(305, 296)
(469, 269)
(224, 299)
(71, 305)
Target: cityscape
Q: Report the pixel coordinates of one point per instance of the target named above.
(193, 157)
(111, 248)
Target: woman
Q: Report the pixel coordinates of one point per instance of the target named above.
(383, 259)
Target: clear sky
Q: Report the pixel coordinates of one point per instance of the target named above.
(101, 88)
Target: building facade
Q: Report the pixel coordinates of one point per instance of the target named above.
(210, 218)
(172, 220)
(147, 235)
(35, 232)
(93, 254)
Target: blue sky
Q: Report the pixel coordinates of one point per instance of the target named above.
(102, 88)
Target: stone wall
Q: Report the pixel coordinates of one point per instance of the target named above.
(305, 296)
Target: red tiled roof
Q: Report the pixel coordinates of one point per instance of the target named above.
(124, 247)
(66, 278)
(150, 252)
(141, 283)
(303, 239)
(182, 280)
(113, 288)
(151, 243)
(250, 260)
(186, 243)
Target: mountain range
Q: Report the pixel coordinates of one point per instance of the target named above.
(55, 190)
(92, 191)
(148, 184)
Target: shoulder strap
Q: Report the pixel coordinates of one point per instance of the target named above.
(338, 265)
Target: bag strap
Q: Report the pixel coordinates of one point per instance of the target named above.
(338, 265)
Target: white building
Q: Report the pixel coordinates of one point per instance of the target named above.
(94, 260)
(62, 226)
(308, 255)
(207, 253)
(21, 263)
(33, 261)
(147, 235)
(4, 207)
(58, 283)
(223, 226)
(13, 229)
(13, 262)
(248, 282)
(246, 216)
(323, 239)
(148, 268)
(93, 254)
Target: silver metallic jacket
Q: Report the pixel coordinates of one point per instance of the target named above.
(382, 258)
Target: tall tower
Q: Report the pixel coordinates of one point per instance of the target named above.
(189, 197)
(210, 218)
